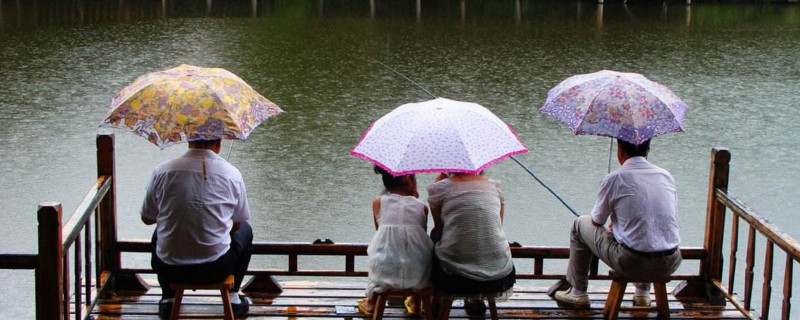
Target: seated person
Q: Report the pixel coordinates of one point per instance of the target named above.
(642, 202)
(471, 253)
(199, 205)
(400, 251)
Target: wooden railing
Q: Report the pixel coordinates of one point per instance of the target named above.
(719, 199)
(262, 281)
(91, 248)
(91, 232)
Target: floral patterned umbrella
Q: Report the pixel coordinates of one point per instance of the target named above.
(438, 135)
(189, 103)
(627, 106)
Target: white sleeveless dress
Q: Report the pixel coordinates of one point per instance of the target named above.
(400, 251)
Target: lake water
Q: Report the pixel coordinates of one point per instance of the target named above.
(736, 65)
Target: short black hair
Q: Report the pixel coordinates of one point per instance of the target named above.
(204, 144)
(390, 182)
(633, 150)
(207, 141)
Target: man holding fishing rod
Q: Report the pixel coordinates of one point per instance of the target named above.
(641, 200)
(199, 205)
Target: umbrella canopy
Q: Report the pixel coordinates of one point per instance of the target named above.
(627, 106)
(438, 135)
(189, 103)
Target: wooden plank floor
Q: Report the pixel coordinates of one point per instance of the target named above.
(322, 299)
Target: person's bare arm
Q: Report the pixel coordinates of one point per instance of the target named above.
(376, 208)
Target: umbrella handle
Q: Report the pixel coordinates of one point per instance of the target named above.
(610, 148)
(545, 186)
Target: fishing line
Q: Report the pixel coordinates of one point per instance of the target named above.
(512, 157)
(230, 148)
(407, 78)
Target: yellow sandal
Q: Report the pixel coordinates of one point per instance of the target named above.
(409, 309)
(361, 308)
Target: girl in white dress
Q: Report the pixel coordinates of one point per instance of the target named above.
(400, 251)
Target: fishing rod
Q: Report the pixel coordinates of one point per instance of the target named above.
(512, 157)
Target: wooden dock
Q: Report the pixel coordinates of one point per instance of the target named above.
(326, 299)
(80, 273)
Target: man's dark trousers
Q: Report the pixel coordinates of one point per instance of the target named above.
(235, 262)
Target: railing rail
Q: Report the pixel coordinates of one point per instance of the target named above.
(54, 264)
(349, 251)
(774, 237)
(721, 199)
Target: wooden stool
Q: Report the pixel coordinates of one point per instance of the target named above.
(614, 299)
(447, 304)
(381, 298)
(224, 287)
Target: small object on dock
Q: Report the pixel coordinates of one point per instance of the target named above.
(345, 310)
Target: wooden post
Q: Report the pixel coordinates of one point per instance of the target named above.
(711, 266)
(49, 281)
(463, 12)
(419, 11)
(787, 288)
(600, 25)
(372, 9)
(111, 256)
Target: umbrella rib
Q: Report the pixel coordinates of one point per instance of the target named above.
(588, 108)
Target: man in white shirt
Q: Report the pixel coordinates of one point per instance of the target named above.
(198, 203)
(642, 239)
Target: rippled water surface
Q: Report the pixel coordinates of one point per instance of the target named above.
(737, 66)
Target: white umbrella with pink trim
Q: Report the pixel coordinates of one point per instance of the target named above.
(438, 135)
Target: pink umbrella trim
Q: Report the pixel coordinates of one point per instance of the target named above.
(436, 170)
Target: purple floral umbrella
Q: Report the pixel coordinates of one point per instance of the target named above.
(620, 105)
(438, 135)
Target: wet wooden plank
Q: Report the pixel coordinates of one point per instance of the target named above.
(551, 311)
(318, 300)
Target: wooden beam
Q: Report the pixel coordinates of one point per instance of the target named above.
(110, 255)
(18, 261)
(711, 267)
(49, 281)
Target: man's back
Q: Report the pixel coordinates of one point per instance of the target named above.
(643, 198)
(195, 199)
